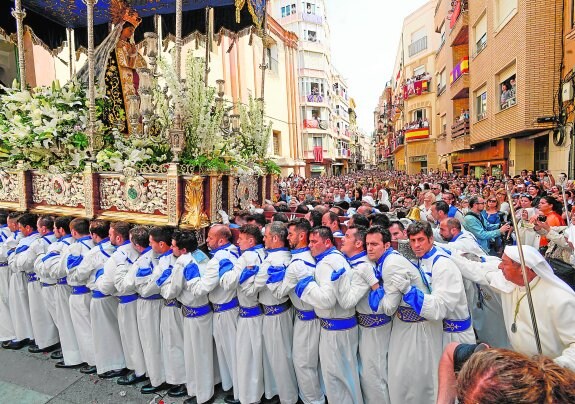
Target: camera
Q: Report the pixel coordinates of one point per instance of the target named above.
(541, 218)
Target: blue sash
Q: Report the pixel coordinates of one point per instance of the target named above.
(276, 308)
(372, 320)
(305, 315)
(193, 312)
(248, 312)
(128, 298)
(232, 304)
(338, 324)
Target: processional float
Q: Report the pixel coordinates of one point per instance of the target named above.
(194, 178)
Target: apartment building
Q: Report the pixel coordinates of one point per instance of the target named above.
(500, 99)
(565, 134)
(412, 114)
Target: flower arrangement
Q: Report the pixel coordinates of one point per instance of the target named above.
(44, 128)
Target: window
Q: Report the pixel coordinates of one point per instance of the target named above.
(276, 140)
(272, 59)
(507, 87)
(442, 36)
(419, 70)
(504, 9)
(481, 103)
(443, 122)
(480, 34)
(309, 7)
(309, 35)
(293, 10)
(317, 141)
(418, 42)
(418, 114)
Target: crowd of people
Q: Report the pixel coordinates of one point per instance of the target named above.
(374, 287)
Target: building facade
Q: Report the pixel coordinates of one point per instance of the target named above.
(412, 112)
(498, 66)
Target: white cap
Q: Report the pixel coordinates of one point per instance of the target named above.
(368, 199)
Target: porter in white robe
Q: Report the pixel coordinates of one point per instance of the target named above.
(9, 241)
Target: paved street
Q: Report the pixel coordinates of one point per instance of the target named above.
(27, 378)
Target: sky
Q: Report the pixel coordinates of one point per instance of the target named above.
(364, 39)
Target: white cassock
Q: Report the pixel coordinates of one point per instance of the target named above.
(149, 311)
(249, 348)
(45, 331)
(80, 298)
(124, 283)
(191, 283)
(225, 317)
(277, 330)
(306, 329)
(103, 309)
(415, 344)
(20, 262)
(339, 337)
(48, 284)
(374, 326)
(486, 311)
(447, 301)
(553, 301)
(172, 326)
(54, 269)
(9, 241)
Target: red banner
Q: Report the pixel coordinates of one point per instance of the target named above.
(415, 88)
(311, 123)
(318, 154)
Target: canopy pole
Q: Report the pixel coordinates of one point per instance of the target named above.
(91, 91)
(208, 24)
(70, 52)
(264, 65)
(18, 13)
(178, 49)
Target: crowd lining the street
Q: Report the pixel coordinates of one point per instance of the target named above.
(371, 287)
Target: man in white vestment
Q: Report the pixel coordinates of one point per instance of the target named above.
(108, 351)
(225, 304)
(21, 262)
(138, 254)
(339, 334)
(249, 348)
(51, 265)
(189, 283)
(150, 306)
(81, 297)
(42, 311)
(486, 312)
(172, 324)
(374, 322)
(8, 227)
(306, 328)
(277, 327)
(553, 301)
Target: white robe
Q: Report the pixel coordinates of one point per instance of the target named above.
(146, 272)
(337, 349)
(43, 325)
(124, 283)
(486, 311)
(9, 241)
(80, 303)
(277, 331)
(305, 332)
(249, 349)
(198, 334)
(21, 263)
(172, 332)
(53, 268)
(554, 311)
(224, 323)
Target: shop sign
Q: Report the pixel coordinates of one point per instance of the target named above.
(416, 159)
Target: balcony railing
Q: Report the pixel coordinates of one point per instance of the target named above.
(417, 46)
(458, 7)
(460, 128)
(315, 124)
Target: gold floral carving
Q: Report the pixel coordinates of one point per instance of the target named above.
(193, 204)
(246, 191)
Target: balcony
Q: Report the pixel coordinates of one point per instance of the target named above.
(459, 23)
(415, 88)
(417, 46)
(461, 143)
(417, 134)
(460, 128)
(315, 124)
(459, 80)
